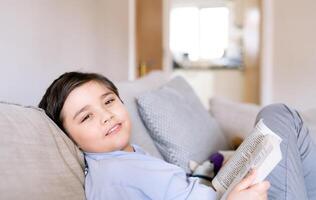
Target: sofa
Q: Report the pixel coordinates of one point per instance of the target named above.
(38, 161)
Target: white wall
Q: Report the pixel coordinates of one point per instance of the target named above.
(40, 39)
(215, 83)
(292, 67)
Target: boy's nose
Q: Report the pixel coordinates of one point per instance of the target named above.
(107, 120)
(106, 116)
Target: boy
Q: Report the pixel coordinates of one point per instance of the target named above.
(88, 108)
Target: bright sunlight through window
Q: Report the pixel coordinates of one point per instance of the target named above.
(201, 33)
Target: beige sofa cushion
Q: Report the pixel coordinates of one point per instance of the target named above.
(37, 160)
(235, 119)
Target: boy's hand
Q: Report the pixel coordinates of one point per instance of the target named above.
(245, 190)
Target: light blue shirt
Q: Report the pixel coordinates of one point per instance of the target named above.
(136, 175)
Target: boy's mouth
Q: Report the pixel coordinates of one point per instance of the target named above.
(114, 129)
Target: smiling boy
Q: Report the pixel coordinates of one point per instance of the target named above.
(88, 108)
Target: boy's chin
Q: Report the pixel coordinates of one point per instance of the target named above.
(128, 148)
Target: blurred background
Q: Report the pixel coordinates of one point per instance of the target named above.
(257, 51)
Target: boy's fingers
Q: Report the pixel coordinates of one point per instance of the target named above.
(264, 196)
(247, 181)
(261, 188)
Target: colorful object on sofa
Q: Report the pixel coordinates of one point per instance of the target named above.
(208, 169)
(203, 171)
(217, 160)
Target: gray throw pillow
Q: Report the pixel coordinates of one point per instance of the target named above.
(129, 90)
(181, 127)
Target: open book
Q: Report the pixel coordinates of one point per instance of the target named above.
(260, 150)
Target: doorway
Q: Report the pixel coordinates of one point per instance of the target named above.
(215, 45)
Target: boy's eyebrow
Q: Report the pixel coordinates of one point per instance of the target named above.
(106, 94)
(87, 106)
(80, 111)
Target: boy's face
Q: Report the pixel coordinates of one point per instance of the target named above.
(96, 119)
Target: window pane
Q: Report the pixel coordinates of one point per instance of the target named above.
(200, 33)
(213, 32)
(184, 31)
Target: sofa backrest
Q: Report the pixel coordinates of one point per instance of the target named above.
(129, 91)
(37, 160)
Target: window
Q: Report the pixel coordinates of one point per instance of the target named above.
(199, 33)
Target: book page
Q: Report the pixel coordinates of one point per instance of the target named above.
(269, 158)
(260, 150)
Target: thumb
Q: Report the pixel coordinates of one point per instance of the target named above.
(247, 181)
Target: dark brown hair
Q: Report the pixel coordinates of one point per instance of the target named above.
(56, 94)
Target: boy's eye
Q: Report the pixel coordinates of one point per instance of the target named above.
(86, 117)
(109, 101)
